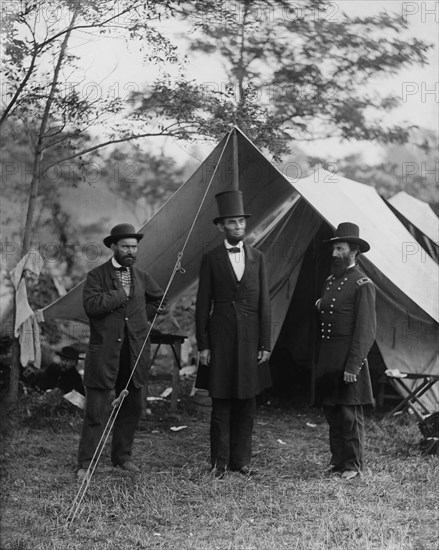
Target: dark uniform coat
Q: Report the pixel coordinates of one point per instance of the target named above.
(55, 377)
(233, 321)
(348, 327)
(113, 315)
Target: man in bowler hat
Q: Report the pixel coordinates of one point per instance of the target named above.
(118, 299)
(347, 328)
(233, 337)
(62, 374)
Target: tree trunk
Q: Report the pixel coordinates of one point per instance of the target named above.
(41, 136)
(33, 195)
(14, 375)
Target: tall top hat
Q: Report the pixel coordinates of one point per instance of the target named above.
(121, 231)
(68, 352)
(347, 232)
(230, 205)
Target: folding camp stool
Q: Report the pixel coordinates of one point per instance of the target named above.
(429, 428)
(425, 383)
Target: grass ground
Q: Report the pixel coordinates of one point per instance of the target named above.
(174, 504)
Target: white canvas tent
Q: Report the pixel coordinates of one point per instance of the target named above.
(418, 212)
(407, 285)
(419, 218)
(407, 288)
(264, 189)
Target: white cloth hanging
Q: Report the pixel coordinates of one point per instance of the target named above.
(26, 327)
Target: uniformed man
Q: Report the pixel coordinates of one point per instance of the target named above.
(233, 337)
(348, 327)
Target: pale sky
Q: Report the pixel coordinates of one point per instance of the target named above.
(111, 64)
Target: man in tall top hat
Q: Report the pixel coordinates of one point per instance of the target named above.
(348, 327)
(118, 299)
(233, 336)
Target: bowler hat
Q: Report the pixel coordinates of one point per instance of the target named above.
(68, 352)
(121, 231)
(347, 232)
(230, 205)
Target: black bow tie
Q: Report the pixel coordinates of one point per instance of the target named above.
(234, 249)
(121, 268)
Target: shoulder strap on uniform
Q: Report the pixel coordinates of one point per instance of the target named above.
(363, 281)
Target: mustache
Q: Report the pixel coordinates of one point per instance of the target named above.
(127, 260)
(340, 261)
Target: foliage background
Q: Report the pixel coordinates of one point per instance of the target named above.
(108, 106)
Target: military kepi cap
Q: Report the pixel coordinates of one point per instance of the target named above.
(230, 205)
(348, 232)
(122, 231)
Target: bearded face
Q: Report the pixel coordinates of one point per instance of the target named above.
(339, 266)
(342, 258)
(233, 228)
(125, 251)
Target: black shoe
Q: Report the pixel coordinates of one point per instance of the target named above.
(347, 475)
(218, 472)
(81, 474)
(246, 471)
(129, 467)
(333, 471)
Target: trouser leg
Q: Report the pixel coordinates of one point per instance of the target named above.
(125, 426)
(334, 418)
(129, 413)
(93, 425)
(220, 432)
(353, 436)
(241, 432)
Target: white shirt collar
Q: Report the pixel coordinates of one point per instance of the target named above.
(115, 263)
(228, 245)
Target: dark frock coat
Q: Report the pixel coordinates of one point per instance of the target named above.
(348, 328)
(113, 316)
(233, 321)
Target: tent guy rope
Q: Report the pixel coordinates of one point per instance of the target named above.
(117, 403)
